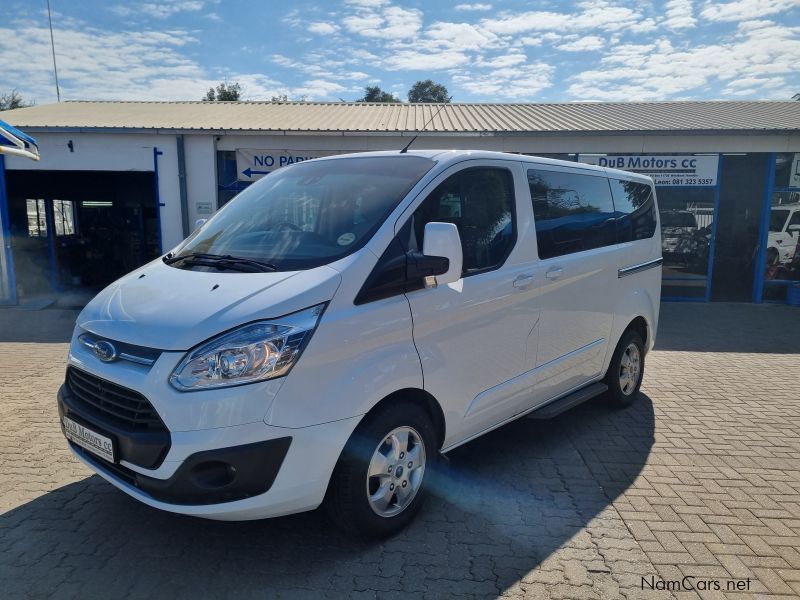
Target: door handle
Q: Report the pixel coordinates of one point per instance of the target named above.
(523, 281)
(554, 273)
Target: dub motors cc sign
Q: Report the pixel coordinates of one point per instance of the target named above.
(676, 170)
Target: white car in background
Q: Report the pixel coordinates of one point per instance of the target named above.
(784, 233)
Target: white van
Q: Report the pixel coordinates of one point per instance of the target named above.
(339, 325)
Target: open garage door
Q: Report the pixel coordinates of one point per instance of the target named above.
(74, 232)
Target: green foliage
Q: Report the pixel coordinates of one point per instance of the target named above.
(224, 92)
(376, 94)
(428, 91)
(12, 100)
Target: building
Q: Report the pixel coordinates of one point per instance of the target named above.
(119, 183)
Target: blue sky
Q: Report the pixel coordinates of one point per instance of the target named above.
(482, 51)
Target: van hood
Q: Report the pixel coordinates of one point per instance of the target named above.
(158, 306)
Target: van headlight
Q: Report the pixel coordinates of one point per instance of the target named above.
(253, 352)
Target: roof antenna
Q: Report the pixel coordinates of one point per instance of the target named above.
(404, 150)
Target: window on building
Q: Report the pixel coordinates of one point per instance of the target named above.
(635, 210)
(573, 212)
(64, 217)
(480, 202)
(37, 218)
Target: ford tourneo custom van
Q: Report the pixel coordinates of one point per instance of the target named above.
(343, 322)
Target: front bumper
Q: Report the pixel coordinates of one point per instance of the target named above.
(242, 472)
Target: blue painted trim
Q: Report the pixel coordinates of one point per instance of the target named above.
(763, 232)
(159, 204)
(712, 243)
(11, 277)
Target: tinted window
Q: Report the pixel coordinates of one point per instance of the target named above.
(480, 202)
(311, 213)
(572, 212)
(635, 209)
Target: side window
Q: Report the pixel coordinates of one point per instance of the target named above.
(480, 202)
(795, 220)
(636, 210)
(573, 212)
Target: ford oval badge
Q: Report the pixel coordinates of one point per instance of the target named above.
(105, 351)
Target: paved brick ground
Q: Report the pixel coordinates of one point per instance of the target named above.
(700, 478)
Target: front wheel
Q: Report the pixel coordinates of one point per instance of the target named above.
(380, 481)
(624, 376)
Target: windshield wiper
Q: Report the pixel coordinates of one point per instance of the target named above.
(225, 261)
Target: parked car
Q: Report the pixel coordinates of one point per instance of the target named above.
(345, 321)
(784, 233)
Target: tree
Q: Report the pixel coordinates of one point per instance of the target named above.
(12, 100)
(428, 91)
(280, 98)
(372, 93)
(225, 92)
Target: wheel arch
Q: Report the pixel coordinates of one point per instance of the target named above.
(424, 400)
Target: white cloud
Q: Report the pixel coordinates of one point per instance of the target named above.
(584, 44)
(420, 60)
(662, 70)
(158, 10)
(593, 14)
(367, 3)
(507, 60)
(511, 83)
(679, 14)
(323, 28)
(743, 10)
(474, 6)
(461, 36)
(391, 22)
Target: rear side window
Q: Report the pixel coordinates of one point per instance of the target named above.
(573, 212)
(480, 202)
(636, 210)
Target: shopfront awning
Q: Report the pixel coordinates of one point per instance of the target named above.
(15, 143)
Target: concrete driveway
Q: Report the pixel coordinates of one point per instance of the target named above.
(700, 478)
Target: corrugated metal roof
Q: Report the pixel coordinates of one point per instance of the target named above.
(716, 116)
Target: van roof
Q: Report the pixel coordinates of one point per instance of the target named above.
(446, 157)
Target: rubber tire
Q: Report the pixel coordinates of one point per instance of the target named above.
(615, 395)
(346, 501)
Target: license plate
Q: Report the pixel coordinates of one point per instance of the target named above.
(92, 441)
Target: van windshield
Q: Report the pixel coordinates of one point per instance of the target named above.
(305, 215)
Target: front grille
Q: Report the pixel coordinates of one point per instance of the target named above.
(120, 405)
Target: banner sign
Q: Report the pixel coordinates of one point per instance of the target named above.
(674, 171)
(254, 164)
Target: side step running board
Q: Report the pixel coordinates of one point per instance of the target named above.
(548, 411)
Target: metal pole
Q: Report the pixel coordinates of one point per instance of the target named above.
(53, 48)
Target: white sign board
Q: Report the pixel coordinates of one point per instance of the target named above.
(254, 164)
(678, 170)
(794, 174)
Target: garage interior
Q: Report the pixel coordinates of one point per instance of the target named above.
(74, 232)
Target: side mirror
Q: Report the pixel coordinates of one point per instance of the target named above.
(199, 223)
(442, 240)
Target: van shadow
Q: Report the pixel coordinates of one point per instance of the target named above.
(510, 500)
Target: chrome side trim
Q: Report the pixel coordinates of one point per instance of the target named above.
(651, 264)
